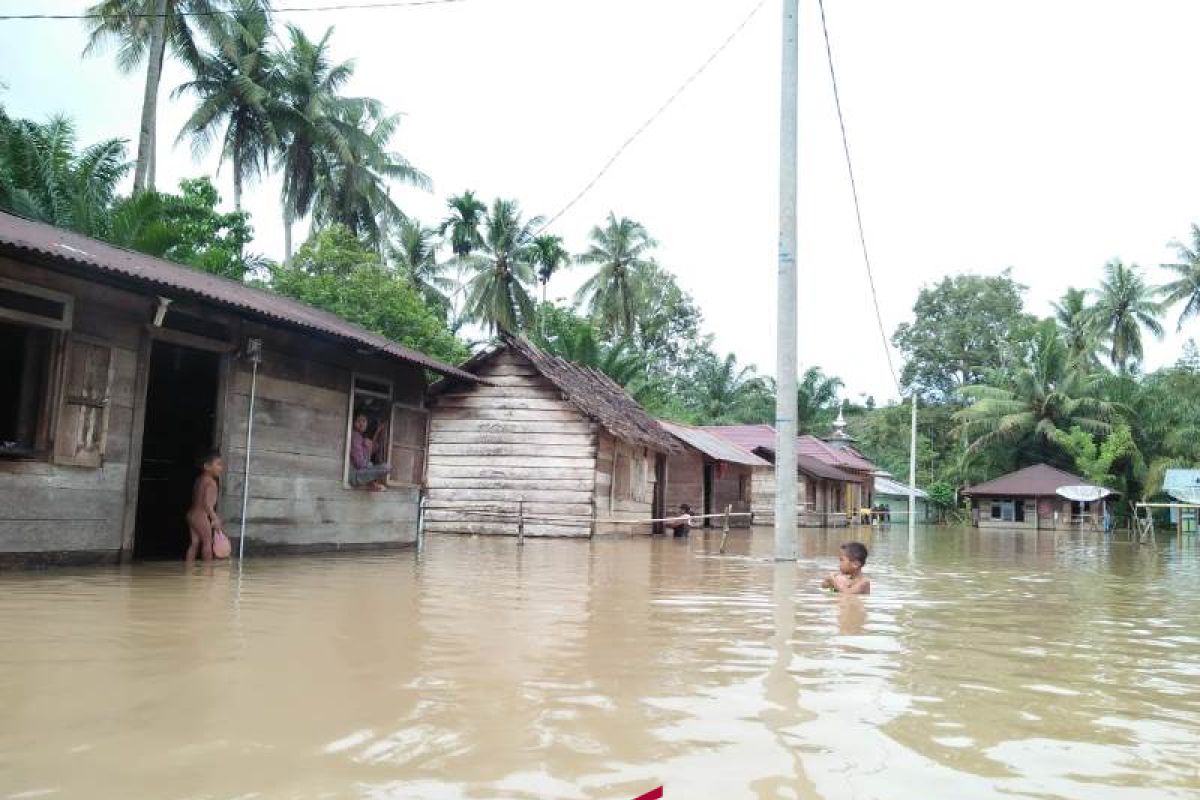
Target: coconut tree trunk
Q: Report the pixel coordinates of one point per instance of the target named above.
(287, 232)
(237, 187)
(143, 175)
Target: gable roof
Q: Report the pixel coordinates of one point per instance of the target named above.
(593, 393)
(1039, 480)
(845, 457)
(712, 445)
(762, 438)
(22, 237)
(886, 484)
(1181, 479)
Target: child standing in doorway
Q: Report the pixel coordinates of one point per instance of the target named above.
(849, 578)
(202, 517)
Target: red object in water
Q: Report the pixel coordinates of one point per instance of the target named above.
(653, 794)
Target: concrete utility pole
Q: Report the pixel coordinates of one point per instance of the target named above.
(785, 353)
(912, 465)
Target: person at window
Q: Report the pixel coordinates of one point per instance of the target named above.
(363, 470)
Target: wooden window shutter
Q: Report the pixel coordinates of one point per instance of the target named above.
(407, 455)
(82, 429)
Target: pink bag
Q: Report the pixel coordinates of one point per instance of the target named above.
(221, 544)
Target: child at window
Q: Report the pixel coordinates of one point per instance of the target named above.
(363, 471)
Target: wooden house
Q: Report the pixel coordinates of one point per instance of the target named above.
(826, 492)
(537, 435)
(121, 369)
(1029, 498)
(711, 474)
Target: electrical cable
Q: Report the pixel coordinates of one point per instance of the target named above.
(653, 117)
(862, 237)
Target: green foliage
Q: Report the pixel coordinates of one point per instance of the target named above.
(343, 275)
(1125, 305)
(963, 327)
(816, 401)
(616, 293)
(1185, 288)
(1095, 460)
(941, 495)
(498, 294)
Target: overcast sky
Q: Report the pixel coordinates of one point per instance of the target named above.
(1043, 136)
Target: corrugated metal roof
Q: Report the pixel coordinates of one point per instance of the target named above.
(1181, 479)
(762, 437)
(713, 446)
(886, 484)
(845, 456)
(1040, 480)
(167, 278)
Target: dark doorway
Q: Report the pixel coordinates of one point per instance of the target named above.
(181, 412)
(660, 492)
(709, 482)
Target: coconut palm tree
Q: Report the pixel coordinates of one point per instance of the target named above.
(1077, 329)
(614, 294)
(498, 295)
(236, 85)
(414, 254)
(44, 177)
(1186, 286)
(142, 30)
(309, 83)
(549, 256)
(1045, 397)
(1124, 305)
(466, 215)
(353, 187)
(723, 392)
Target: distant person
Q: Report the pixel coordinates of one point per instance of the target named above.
(975, 516)
(202, 518)
(682, 524)
(1108, 519)
(849, 578)
(363, 471)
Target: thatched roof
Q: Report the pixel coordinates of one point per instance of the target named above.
(593, 393)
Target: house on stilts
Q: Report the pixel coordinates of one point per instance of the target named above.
(532, 436)
(121, 369)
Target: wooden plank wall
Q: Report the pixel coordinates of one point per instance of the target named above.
(52, 508)
(685, 480)
(490, 446)
(608, 505)
(298, 497)
(726, 491)
(762, 495)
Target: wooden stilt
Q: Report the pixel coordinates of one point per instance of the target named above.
(725, 528)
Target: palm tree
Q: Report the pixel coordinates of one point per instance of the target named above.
(614, 293)
(1045, 397)
(43, 177)
(141, 30)
(353, 187)
(723, 392)
(1125, 305)
(415, 255)
(236, 84)
(1186, 287)
(549, 256)
(816, 400)
(309, 84)
(619, 360)
(466, 215)
(498, 296)
(1077, 329)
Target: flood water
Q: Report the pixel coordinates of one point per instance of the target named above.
(993, 664)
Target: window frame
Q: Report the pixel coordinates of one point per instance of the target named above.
(36, 320)
(354, 391)
(392, 440)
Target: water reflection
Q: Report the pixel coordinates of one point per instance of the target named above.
(1048, 665)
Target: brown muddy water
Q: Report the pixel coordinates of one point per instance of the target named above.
(985, 665)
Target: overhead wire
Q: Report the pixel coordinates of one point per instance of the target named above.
(212, 12)
(652, 118)
(862, 236)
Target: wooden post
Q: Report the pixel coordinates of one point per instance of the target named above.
(592, 530)
(521, 522)
(725, 528)
(421, 524)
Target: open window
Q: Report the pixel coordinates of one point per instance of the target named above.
(32, 321)
(397, 432)
(409, 434)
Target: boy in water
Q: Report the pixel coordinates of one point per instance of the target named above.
(849, 578)
(202, 516)
(681, 525)
(363, 472)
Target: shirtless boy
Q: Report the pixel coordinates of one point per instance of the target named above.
(202, 517)
(849, 578)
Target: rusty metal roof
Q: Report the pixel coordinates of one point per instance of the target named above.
(762, 437)
(713, 446)
(844, 457)
(20, 236)
(1039, 480)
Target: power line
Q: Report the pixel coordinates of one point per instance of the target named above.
(269, 9)
(653, 117)
(862, 237)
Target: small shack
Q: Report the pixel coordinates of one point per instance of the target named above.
(1183, 486)
(891, 497)
(1030, 498)
(535, 435)
(121, 369)
(711, 474)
